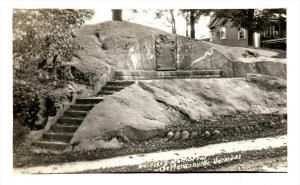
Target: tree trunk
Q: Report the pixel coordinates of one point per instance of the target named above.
(250, 19)
(173, 21)
(187, 29)
(192, 23)
(116, 14)
(250, 37)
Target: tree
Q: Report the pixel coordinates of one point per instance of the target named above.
(42, 43)
(116, 14)
(194, 16)
(169, 15)
(254, 20)
(43, 34)
(186, 16)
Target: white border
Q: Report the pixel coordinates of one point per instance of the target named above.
(7, 176)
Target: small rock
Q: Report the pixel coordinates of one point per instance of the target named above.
(283, 121)
(247, 128)
(256, 127)
(170, 135)
(216, 132)
(207, 133)
(194, 135)
(242, 128)
(177, 135)
(272, 124)
(251, 128)
(237, 130)
(185, 135)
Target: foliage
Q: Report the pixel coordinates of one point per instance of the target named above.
(43, 34)
(194, 16)
(169, 15)
(42, 44)
(26, 103)
(254, 20)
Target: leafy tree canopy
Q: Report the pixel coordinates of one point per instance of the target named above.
(40, 34)
(251, 19)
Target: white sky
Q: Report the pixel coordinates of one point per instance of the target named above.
(202, 31)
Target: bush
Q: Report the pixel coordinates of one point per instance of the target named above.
(26, 103)
(19, 133)
(42, 46)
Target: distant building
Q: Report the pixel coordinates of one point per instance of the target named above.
(223, 32)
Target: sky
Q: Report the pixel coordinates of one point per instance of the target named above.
(148, 19)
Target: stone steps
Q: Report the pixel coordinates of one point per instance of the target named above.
(105, 92)
(61, 133)
(51, 145)
(179, 74)
(82, 107)
(62, 137)
(70, 120)
(89, 100)
(75, 113)
(166, 77)
(60, 128)
(113, 88)
(120, 83)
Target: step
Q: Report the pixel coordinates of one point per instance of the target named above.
(75, 113)
(112, 88)
(120, 83)
(70, 121)
(51, 145)
(165, 77)
(82, 107)
(168, 73)
(88, 100)
(59, 128)
(63, 137)
(105, 92)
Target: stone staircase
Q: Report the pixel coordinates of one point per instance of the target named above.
(179, 74)
(61, 133)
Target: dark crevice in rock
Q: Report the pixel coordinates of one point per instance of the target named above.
(145, 87)
(97, 34)
(183, 113)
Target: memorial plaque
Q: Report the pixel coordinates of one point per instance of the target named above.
(165, 51)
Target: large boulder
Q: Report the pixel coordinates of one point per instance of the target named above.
(267, 81)
(131, 114)
(146, 109)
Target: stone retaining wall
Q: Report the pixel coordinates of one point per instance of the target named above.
(195, 55)
(191, 55)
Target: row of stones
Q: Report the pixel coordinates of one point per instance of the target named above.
(217, 133)
(184, 135)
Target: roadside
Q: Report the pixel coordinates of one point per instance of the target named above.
(175, 160)
(276, 164)
(265, 126)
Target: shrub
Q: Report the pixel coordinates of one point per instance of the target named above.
(26, 103)
(42, 45)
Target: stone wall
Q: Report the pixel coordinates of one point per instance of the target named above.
(141, 55)
(191, 55)
(195, 55)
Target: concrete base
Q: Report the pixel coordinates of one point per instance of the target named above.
(179, 74)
